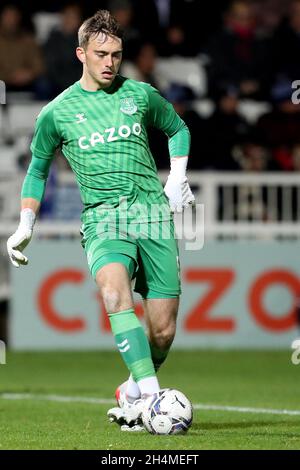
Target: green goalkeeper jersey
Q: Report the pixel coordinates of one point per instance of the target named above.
(103, 135)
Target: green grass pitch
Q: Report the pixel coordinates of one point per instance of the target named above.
(259, 381)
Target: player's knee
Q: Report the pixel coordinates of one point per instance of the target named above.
(115, 300)
(163, 337)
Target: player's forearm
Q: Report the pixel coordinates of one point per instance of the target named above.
(180, 142)
(30, 203)
(178, 167)
(33, 186)
(29, 211)
(33, 189)
(35, 181)
(177, 188)
(31, 196)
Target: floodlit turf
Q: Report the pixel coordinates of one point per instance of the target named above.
(238, 379)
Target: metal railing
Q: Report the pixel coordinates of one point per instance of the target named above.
(235, 204)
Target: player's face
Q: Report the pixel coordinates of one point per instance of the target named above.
(103, 57)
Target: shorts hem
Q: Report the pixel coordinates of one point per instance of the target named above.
(100, 263)
(155, 294)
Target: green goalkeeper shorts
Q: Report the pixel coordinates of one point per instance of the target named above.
(149, 252)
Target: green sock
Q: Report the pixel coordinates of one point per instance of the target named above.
(158, 356)
(132, 343)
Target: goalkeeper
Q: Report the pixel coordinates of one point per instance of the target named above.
(100, 123)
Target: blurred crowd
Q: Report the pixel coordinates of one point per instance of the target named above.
(250, 51)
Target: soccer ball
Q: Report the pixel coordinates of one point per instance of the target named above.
(167, 412)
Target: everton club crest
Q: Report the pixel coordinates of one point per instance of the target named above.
(128, 106)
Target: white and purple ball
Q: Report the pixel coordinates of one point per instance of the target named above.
(167, 412)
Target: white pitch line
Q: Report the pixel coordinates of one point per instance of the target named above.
(58, 398)
(109, 401)
(243, 409)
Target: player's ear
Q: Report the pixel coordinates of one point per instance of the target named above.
(80, 52)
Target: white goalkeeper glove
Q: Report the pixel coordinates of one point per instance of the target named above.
(20, 239)
(177, 188)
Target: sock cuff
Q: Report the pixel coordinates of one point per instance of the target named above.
(124, 321)
(122, 312)
(143, 369)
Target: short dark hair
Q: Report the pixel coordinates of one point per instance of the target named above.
(101, 22)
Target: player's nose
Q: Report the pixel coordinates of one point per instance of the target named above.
(109, 61)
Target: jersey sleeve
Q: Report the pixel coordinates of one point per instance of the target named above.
(46, 137)
(162, 115)
(44, 143)
(36, 178)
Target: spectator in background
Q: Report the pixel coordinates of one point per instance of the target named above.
(286, 49)
(175, 42)
(280, 128)
(123, 13)
(142, 68)
(182, 99)
(238, 54)
(21, 62)
(269, 14)
(296, 157)
(253, 156)
(249, 201)
(225, 128)
(295, 196)
(176, 24)
(63, 67)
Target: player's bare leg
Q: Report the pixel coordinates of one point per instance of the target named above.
(114, 284)
(160, 316)
(115, 288)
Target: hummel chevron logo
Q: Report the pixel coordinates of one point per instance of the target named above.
(80, 117)
(124, 346)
